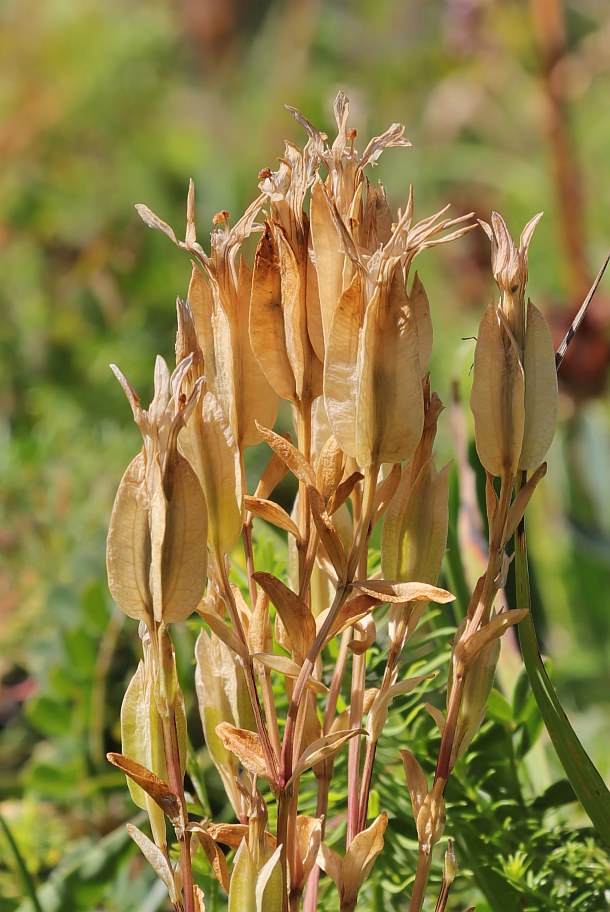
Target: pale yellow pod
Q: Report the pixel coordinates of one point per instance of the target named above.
(256, 399)
(328, 259)
(305, 364)
(414, 534)
(341, 366)
(540, 390)
(267, 318)
(142, 741)
(420, 305)
(497, 398)
(390, 408)
(184, 545)
(128, 546)
(210, 447)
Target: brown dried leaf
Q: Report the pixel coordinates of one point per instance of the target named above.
(350, 613)
(295, 614)
(288, 668)
(267, 331)
(156, 858)
(224, 633)
(246, 745)
(260, 638)
(153, 221)
(158, 790)
(416, 781)
(385, 492)
(323, 749)
(214, 855)
(494, 629)
(273, 473)
(327, 532)
(519, 504)
(289, 455)
(361, 855)
(394, 591)
(128, 547)
(232, 834)
(272, 513)
(344, 491)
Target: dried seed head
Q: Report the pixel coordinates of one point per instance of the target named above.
(514, 390)
(157, 541)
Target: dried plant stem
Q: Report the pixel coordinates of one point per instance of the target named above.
(304, 513)
(341, 594)
(246, 537)
(353, 763)
(355, 721)
(284, 799)
(248, 666)
(311, 894)
(171, 751)
(264, 676)
(421, 880)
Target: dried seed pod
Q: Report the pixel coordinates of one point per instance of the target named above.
(157, 541)
(514, 389)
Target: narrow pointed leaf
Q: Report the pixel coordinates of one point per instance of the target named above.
(289, 455)
(272, 513)
(584, 777)
(322, 749)
(156, 858)
(295, 614)
(394, 591)
(416, 781)
(328, 534)
(246, 745)
(158, 790)
(287, 667)
(153, 221)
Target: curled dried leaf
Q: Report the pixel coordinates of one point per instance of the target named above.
(158, 790)
(246, 745)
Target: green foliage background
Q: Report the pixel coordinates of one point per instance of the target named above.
(105, 104)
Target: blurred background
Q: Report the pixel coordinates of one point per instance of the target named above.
(107, 103)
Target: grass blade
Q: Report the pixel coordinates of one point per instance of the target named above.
(586, 781)
(28, 883)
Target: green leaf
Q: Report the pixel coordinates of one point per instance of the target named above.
(498, 708)
(557, 794)
(585, 779)
(21, 866)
